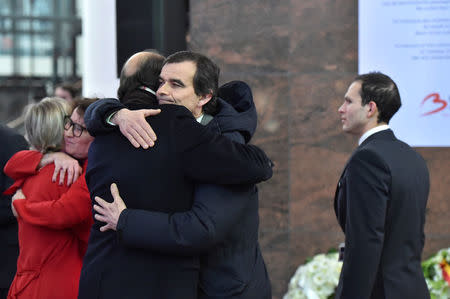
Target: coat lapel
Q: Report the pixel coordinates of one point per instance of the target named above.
(339, 195)
(339, 199)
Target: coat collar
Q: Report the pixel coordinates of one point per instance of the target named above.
(385, 134)
(382, 135)
(372, 131)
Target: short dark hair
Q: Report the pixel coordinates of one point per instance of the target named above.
(147, 75)
(206, 78)
(82, 104)
(382, 90)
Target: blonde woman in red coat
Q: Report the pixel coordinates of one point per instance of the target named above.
(54, 219)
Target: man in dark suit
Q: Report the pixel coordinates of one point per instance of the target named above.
(158, 179)
(380, 199)
(222, 224)
(12, 142)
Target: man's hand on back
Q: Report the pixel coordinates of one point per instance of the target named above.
(109, 212)
(135, 128)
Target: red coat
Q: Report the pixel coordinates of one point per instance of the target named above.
(54, 224)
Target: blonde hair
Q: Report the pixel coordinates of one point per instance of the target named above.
(44, 124)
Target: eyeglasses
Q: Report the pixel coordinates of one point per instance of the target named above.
(77, 129)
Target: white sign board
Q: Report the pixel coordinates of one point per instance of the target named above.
(410, 42)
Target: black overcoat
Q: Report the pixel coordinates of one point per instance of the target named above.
(11, 142)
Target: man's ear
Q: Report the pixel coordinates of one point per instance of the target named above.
(373, 109)
(204, 99)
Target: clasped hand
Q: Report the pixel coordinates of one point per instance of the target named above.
(109, 212)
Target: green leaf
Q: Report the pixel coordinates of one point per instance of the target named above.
(332, 250)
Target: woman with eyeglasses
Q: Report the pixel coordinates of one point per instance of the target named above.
(54, 218)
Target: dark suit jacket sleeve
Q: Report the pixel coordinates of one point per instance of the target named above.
(213, 214)
(10, 145)
(6, 215)
(210, 158)
(367, 192)
(97, 113)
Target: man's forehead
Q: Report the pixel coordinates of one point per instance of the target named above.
(355, 84)
(353, 91)
(179, 70)
(355, 87)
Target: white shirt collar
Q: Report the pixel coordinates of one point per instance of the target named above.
(199, 119)
(371, 132)
(147, 89)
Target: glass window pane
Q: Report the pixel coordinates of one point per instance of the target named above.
(42, 26)
(23, 44)
(64, 8)
(23, 7)
(5, 7)
(43, 66)
(23, 25)
(42, 7)
(6, 62)
(64, 66)
(7, 23)
(43, 45)
(6, 43)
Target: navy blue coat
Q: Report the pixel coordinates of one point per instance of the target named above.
(159, 179)
(12, 142)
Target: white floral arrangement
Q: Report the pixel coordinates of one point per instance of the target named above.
(316, 279)
(319, 277)
(436, 270)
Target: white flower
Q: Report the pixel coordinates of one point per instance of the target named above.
(295, 294)
(316, 279)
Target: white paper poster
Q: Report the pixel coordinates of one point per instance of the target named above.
(410, 42)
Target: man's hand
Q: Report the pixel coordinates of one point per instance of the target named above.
(63, 164)
(134, 127)
(18, 195)
(109, 212)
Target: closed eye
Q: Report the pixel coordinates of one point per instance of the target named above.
(177, 83)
